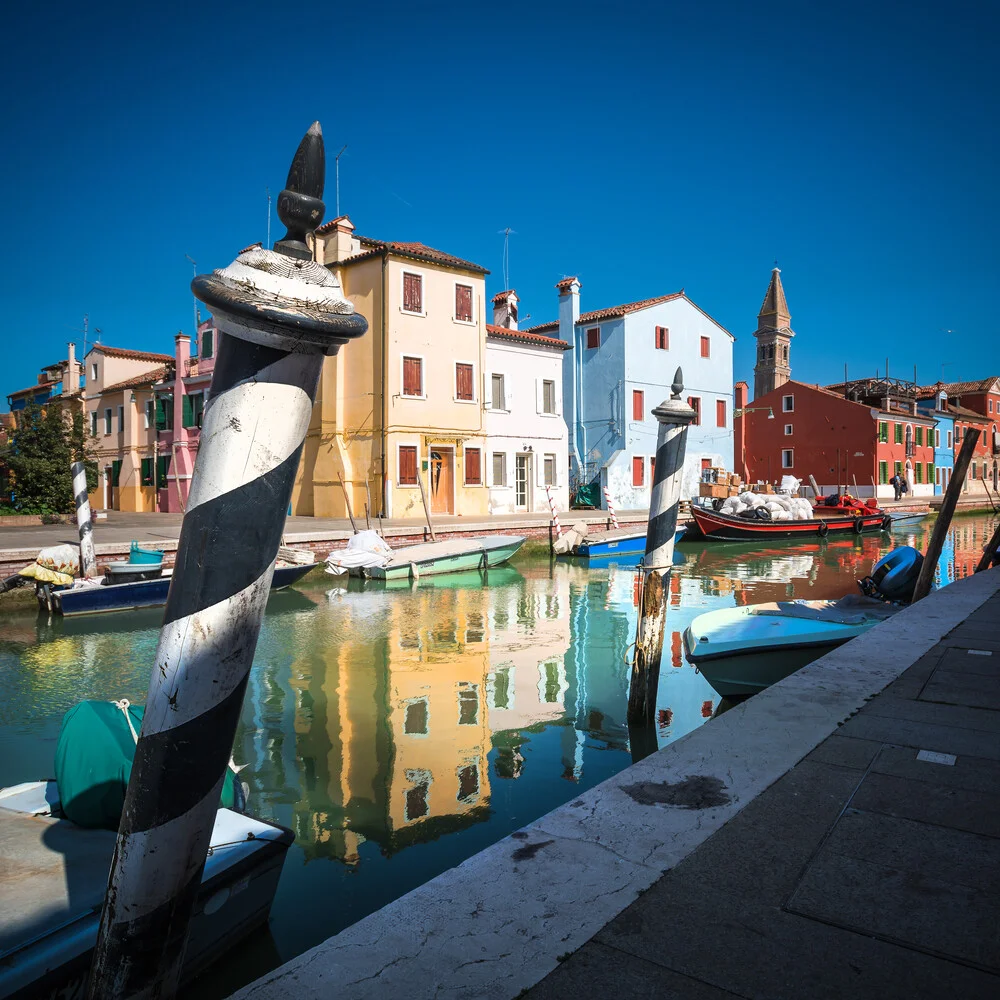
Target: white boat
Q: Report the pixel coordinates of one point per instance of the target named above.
(743, 650)
(54, 876)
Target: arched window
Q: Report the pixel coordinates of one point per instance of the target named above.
(909, 439)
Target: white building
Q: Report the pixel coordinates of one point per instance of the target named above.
(526, 436)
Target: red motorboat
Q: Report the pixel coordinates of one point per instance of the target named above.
(836, 515)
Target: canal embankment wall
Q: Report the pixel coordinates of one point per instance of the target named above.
(504, 919)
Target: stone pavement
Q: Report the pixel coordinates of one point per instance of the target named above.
(871, 869)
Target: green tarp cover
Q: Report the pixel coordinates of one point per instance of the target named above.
(94, 760)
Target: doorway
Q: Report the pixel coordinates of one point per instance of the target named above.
(442, 472)
(522, 482)
(108, 497)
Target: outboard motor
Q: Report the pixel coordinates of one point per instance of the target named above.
(895, 575)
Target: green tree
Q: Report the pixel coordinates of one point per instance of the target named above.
(38, 457)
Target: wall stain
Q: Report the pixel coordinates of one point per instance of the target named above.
(696, 791)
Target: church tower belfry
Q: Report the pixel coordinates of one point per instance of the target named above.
(774, 334)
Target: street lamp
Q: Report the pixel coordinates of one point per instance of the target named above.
(754, 409)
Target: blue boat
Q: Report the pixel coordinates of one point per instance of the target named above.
(145, 593)
(623, 542)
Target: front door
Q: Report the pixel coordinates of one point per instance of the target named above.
(442, 472)
(522, 482)
(108, 496)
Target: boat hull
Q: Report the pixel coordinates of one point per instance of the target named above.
(721, 527)
(425, 561)
(143, 594)
(629, 544)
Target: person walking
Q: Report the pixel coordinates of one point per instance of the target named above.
(897, 485)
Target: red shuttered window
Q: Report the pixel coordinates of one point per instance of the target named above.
(720, 413)
(407, 465)
(473, 467)
(413, 293)
(695, 403)
(463, 303)
(662, 338)
(593, 338)
(652, 469)
(706, 347)
(638, 407)
(638, 471)
(463, 381)
(413, 376)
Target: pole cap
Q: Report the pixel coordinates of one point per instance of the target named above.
(674, 410)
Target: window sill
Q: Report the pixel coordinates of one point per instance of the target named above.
(464, 322)
(550, 414)
(404, 395)
(493, 409)
(407, 486)
(468, 402)
(407, 312)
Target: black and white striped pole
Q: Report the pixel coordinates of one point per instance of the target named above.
(84, 525)
(674, 418)
(279, 314)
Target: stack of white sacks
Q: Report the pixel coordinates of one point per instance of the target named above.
(782, 508)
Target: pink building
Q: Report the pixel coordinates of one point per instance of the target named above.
(180, 404)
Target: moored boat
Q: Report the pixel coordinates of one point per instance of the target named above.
(718, 526)
(450, 556)
(620, 542)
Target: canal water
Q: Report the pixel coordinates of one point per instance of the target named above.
(397, 730)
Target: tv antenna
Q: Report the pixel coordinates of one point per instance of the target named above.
(507, 233)
(194, 273)
(336, 164)
(85, 330)
(267, 191)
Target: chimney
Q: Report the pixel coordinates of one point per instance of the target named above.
(569, 308)
(505, 309)
(334, 241)
(71, 380)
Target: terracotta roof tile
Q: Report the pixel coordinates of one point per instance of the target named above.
(612, 312)
(566, 282)
(500, 295)
(526, 337)
(122, 352)
(958, 388)
(146, 378)
(413, 251)
(966, 414)
(332, 224)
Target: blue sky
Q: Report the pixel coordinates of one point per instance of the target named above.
(642, 147)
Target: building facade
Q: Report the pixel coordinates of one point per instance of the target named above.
(774, 336)
(403, 406)
(944, 437)
(526, 436)
(63, 383)
(622, 365)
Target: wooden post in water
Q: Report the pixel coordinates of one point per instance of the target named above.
(368, 504)
(943, 522)
(989, 553)
(279, 314)
(423, 497)
(347, 503)
(674, 418)
(812, 483)
(88, 558)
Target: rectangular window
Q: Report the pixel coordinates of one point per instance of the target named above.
(662, 338)
(473, 467)
(918, 436)
(972, 471)
(407, 465)
(788, 404)
(497, 395)
(468, 704)
(788, 428)
(706, 347)
(146, 470)
(897, 433)
(468, 783)
(787, 458)
(720, 413)
(463, 303)
(93, 423)
(883, 473)
(638, 407)
(949, 439)
(593, 338)
(162, 468)
(416, 717)
(638, 470)
(989, 403)
(883, 432)
(897, 468)
(499, 468)
(164, 413)
(695, 403)
(550, 470)
(463, 381)
(116, 471)
(918, 472)
(192, 409)
(149, 414)
(937, 438)
(121, 419)
(413, 376)
(652, 469)
(931, 473)
(107, 421)
(93, 371)
(413, 293)
(548, 396)
(207, 344)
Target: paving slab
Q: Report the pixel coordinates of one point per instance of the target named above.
(846, 751)
(935, 713)
(971, 773)
(944, 739)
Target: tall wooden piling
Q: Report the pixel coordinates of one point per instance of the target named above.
(674, 418)
(279, 314)
(84, 524)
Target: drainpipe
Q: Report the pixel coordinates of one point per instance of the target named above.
(279, 313)
(385, 394)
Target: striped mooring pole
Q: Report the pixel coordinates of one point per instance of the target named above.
(611, 508)
(674, 418)
(279, 313)
(552, 510)
(88, 558)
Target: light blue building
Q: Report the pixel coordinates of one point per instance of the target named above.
(936, 406)
(622, 366)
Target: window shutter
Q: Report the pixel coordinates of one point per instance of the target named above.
(463, 382)
(558, 385)
(720, 413)
(463, 303)
(116, 468)
(539, 396)
(147, 471)
(413, 381)
(638, 469)
(487, 389)
(407, 465)
(412, 293)
(473, 467)
(187, 412)
(638, 407)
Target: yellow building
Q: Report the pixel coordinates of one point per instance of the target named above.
(405, 400)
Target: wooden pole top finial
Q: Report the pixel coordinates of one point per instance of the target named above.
(300, 204)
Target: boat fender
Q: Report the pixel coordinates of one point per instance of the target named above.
(895, 575)
(762, 513)
(822, 529)
(886, 523)
(859, 525)
(414, 572)
(716, 503)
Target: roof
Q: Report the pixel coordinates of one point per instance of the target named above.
(960, 388)
(566, 282)
(500, 296)
(146, 378)
(965, 414)
(123, 352)
(526, 337)
(774, 305)
(612, 312)
(413, 251)
(38, 387)
(332, 224)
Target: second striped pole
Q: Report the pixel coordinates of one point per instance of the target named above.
(611, 508)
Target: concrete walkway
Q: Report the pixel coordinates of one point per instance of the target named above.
(837, 835)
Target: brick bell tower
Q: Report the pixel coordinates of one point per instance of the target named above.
(774, 334)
